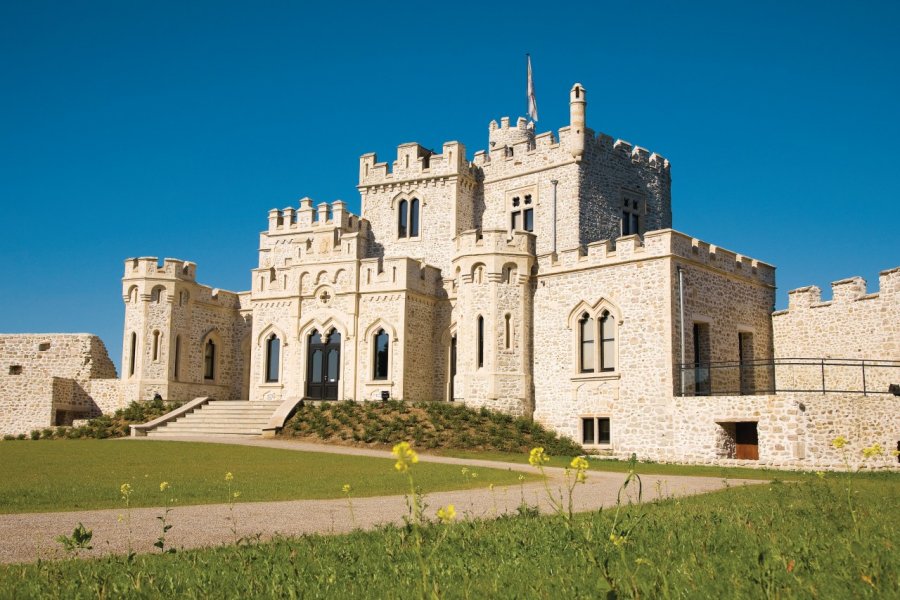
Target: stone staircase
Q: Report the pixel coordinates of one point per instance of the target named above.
(220, 418)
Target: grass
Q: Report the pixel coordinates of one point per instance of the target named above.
(642, 468)
(428, 425)
(63, 475)
(782, 540)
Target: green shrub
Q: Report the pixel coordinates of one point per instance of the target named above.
(47, 433)
(9, 437)
(35, 434)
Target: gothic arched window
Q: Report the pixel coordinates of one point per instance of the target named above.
(382, 345)
(402, 217)
(273, 358)
(209, 360)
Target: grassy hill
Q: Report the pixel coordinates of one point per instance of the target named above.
(428, 425)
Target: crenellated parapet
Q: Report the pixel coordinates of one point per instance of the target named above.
(399, 274)
(494, 241)
(415, 162)
(656, 244)
(149, 266)
(845, 291)
(308, 218)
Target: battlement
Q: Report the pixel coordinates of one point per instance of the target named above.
(494, 241)
(171, 268)
(659, 243)
(399, 274)
(844, 291)
(414, 162)
(306, 218)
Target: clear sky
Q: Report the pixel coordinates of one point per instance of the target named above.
(131, 128)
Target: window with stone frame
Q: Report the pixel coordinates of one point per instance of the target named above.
(632, 220)
(522, 213)
(273, 358)
(593, 356)
(408, 218)
(209, 361)
(595, 431)
(380, 357)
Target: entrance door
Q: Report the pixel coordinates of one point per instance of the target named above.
(323, 370)
(746, 438)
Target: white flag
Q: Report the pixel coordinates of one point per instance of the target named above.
(532, 101)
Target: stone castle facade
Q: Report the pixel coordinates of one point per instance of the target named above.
(541, 278)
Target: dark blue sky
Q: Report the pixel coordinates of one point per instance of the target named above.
(171, 128)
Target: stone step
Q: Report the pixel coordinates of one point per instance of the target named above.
(199, 430)
(162, 434)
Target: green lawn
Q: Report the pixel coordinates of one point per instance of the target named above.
(643, 468)
(62, 475)
(779, 540)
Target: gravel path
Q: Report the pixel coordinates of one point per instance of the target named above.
(27, 537)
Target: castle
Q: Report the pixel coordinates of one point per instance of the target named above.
(542, 278)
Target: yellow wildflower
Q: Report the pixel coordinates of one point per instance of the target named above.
(474, 475)
(839, 442)
(163, 486)
(820, 474)
(579, 463)
(895, 452)
(405, 456)
(346, 488)
(873, 450)
(537, 458)
(464, 471)
(521, 478)
(446, 515)
(229, 476)
(125, 490)
(491, 486)
(237, 494)
(617, 540)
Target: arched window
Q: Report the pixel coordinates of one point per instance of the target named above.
(414, 218)
(177, 355)
(209, 360)
(507, 332)
(401, 219)
(155, 346)
(133, 294)
(382, 341)
(586, 343)
(607, 342)
(480, 349)
(133, 354)
(273, 356)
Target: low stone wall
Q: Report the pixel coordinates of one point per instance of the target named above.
(795, 430)
(47, 379)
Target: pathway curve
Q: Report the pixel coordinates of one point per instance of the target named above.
(27, 537)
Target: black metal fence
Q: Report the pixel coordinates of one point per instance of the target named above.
(815, 375)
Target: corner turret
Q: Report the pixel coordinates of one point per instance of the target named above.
(577, 106)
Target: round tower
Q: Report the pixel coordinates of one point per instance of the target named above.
(577, 106)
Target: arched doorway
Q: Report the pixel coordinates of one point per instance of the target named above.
(323, 368)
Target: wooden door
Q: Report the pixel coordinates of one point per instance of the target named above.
(746, 437)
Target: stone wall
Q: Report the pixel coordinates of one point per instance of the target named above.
(795, 430)
(853, 325)
(48, 379)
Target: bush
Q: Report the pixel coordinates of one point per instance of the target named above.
(35, 434)
(9, 437)
(433, 425)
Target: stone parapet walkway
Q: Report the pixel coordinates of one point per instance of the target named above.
(28, 537)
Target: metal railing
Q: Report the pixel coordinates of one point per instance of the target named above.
(771, 376)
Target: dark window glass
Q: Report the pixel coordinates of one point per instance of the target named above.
(635, 223)
(586, 333)
(315, 338)
(527, 198)
(333, 364)
(209, 361)
(414, 218)
(317, 366)
(480, 334)
(508, 333)
(587, 431)
(626, 223)
(381, 355)
(401, 219)
(603, 431)
(133, 354)
(607, 342)
(529, 219)
(273, 355)
(177, 355)
(515, 201)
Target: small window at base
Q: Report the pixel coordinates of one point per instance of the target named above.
(595, 431)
